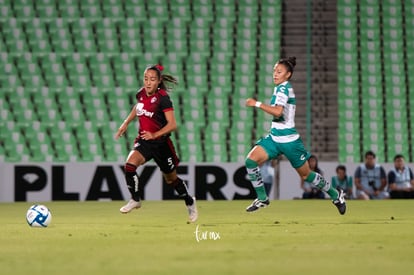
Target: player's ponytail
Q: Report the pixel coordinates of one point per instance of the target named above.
(168, 82)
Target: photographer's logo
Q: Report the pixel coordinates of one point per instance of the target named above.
(206, 235)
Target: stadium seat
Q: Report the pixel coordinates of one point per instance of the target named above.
(215, 148)
(81, 63)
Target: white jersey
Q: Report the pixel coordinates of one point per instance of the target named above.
(401, 178)
(283, 128)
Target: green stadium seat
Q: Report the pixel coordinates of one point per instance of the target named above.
(221, 84)
(90, 9)
(157, 9)
(217, 152)
(46, 9)
(23, 10)
(193, 110)
(348, 46)
(224, 10)
(135, 9)
(395, 83)
(191, 148)
(113, 9)
(68, 9)
(199, 72)
(180, 9)
(215, 148)
(263, 125)
(222, 45)
(240, 141)
(107, 37)
(390, 65)
(82, 62)
(203, 9)
(350, 152)
(5, 114)
(14, 147)
(177, 42)
(218, 111)
(61, 42)
(5, 12)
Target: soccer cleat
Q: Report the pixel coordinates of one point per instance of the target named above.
(256, 204)
(131, 205)
(192, 211)
(340, 202)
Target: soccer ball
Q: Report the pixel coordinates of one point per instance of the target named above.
(38, 216)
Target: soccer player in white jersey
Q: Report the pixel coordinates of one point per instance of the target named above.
(284, 139)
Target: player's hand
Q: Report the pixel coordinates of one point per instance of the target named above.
(250, 102)
(121, 131)
(147, 135)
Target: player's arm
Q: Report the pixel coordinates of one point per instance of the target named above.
(168, 128)
(276, 110)
(391, 181)
(124, 125)
(357, 177)
(349, 185)
(411, 180)
(383, 179)
(279, 100)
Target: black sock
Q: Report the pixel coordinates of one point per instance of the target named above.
(182, 191)
(132, 181)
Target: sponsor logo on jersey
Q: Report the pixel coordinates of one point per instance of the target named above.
(142, 112)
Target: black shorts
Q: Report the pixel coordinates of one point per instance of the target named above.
(162, 151)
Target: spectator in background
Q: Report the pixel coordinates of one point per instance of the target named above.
(309, 190)
(370, 179)
(343, 181)
(268, 174)
(401, 180)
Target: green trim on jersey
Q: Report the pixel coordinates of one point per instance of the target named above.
(283, 132)
(292, 101)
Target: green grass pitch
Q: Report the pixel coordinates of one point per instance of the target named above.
(288, 237)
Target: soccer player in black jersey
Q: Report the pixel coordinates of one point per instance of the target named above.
(155, 113)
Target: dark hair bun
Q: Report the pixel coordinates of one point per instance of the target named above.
(292, 61)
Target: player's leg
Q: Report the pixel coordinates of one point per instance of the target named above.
(318, 181)
(256, 157)
(181, 188)
(297, 155)
(134, 159)
(166, 158)
(179, 185)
